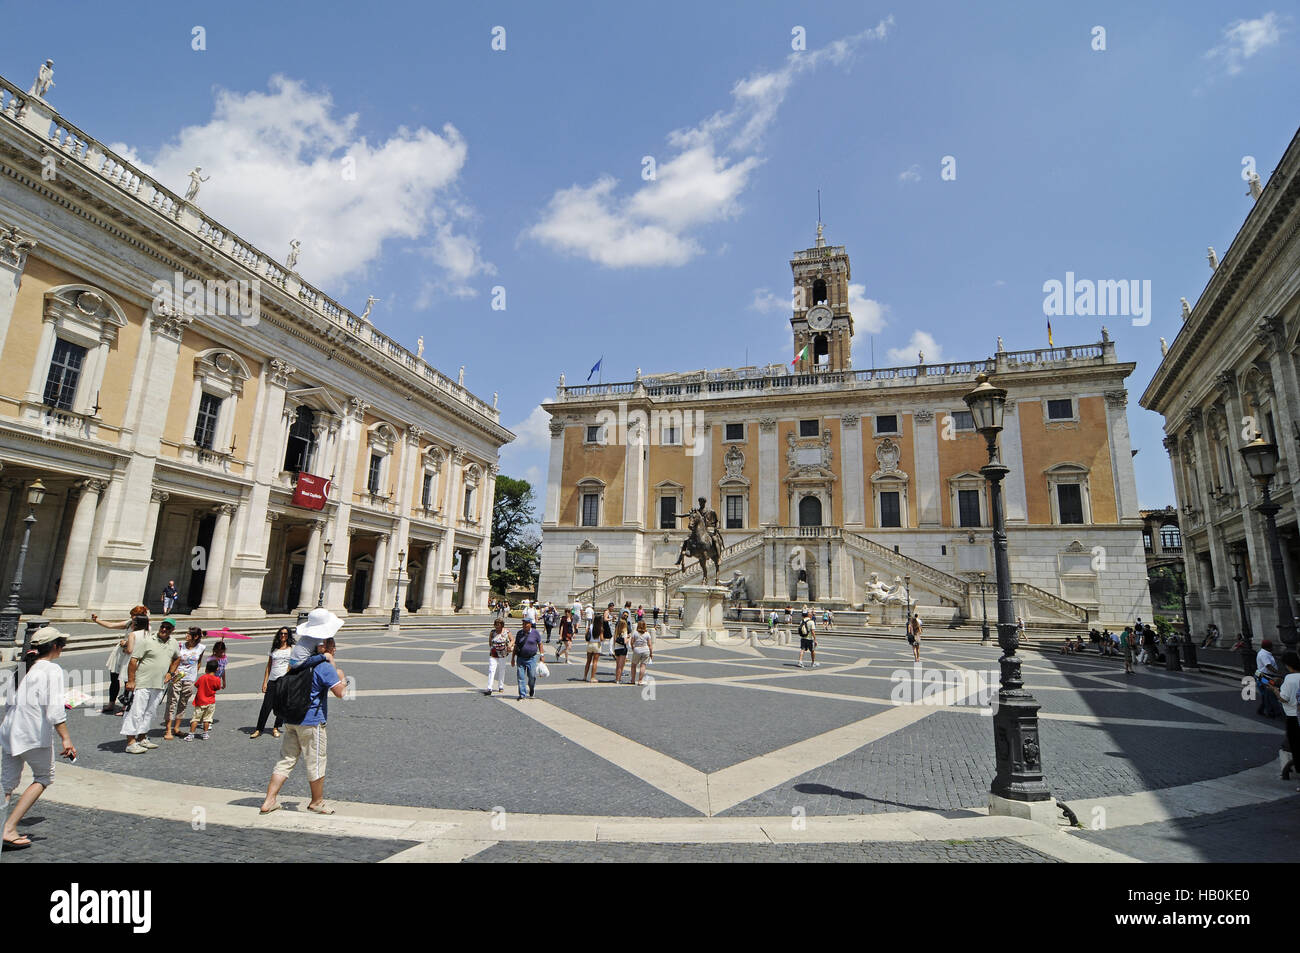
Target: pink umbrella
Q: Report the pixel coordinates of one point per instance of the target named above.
(225, 633)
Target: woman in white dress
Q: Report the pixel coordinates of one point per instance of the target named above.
(33, 714)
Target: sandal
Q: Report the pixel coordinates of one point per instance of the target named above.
(320, 810)
(21, 842)
(269, 810)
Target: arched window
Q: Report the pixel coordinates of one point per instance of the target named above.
(821, 350)
(819, 291)
(810, 511)
(1171, 539)
(302, 441)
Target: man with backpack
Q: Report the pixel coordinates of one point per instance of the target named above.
(808, 638)
(302, 699)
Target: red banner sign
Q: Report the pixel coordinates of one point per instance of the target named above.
(311, 492)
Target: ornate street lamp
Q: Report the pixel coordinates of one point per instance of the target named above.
(1238, 576)
(907, 581)
(10, 614)
(1019, 777)
(327, 546)
(396, 617)
(1261, 461)
(984, 631)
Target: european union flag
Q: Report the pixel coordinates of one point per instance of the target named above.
(595, 367)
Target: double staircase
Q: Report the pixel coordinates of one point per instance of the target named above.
(951, 591)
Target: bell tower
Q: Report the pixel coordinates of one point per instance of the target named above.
(821, 321)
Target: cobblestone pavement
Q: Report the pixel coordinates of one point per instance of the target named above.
(66, 835)
(994, 850)
(1263, 834)
(723, 730)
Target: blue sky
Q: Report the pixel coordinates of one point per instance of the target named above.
(522, 168)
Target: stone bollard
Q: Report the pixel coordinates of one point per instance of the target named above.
(1172, 660)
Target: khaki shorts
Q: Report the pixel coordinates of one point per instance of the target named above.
(307, 742)
(593, 648)
(203, 713)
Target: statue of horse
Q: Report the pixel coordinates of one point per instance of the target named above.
(704, 544)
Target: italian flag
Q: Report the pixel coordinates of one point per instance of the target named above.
(801, 355)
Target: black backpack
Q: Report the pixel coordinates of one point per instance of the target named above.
(293, 692)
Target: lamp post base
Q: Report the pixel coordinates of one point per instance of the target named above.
(1041, 812)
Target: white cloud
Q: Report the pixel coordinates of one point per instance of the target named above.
(767, 303)
(700, 184)
(921, 341)
(1242, 39)
(911, 174)
(868, 314)
(276, 161)
(528, 454)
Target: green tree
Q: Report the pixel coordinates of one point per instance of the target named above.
(516, 547)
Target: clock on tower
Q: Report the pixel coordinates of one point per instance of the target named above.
(822, 323)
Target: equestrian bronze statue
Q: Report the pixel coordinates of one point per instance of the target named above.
(703, 540)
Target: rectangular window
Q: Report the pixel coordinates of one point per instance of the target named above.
(810, 428)
(469, 502)
(735, 432)
(667, 512)
(590, 508)
(1228, 477)
(890, 513)
(735, 512)
(1062, 409)
(1069, 499)
(968, 508)
(887, 423)
(65, 371)
(670, 435)
(593, 433)
(205, 425)
(962, 420)
(372, 476)
(1207, 570)
(426, 493)
(1146, 542)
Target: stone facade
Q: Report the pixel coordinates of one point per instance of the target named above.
(1231, 371)
(171, 431)
(825, 474)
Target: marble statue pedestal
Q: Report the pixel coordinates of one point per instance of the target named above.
(702, 612)
(801, 592)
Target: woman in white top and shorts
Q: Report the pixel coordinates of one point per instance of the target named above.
(642, 651)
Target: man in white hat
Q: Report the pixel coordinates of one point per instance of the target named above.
(33, 714)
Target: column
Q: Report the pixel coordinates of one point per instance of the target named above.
(447, 584)
(702, 472)
(214, 578)
(925, 453)
(482, 561)
(1014, 498)
(554, 473)
(41, 366)
(851, 469)
(769, 479)
(634, 473)
(311, 568)
(430, 577)
(79, 540)
(407, 488)
(345, 465)
(1121, 456)
(124, 557)
(379, 575)
(13, 262)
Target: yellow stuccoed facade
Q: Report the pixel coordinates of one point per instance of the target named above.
(861, 472)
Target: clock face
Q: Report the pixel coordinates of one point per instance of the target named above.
(819, 317)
